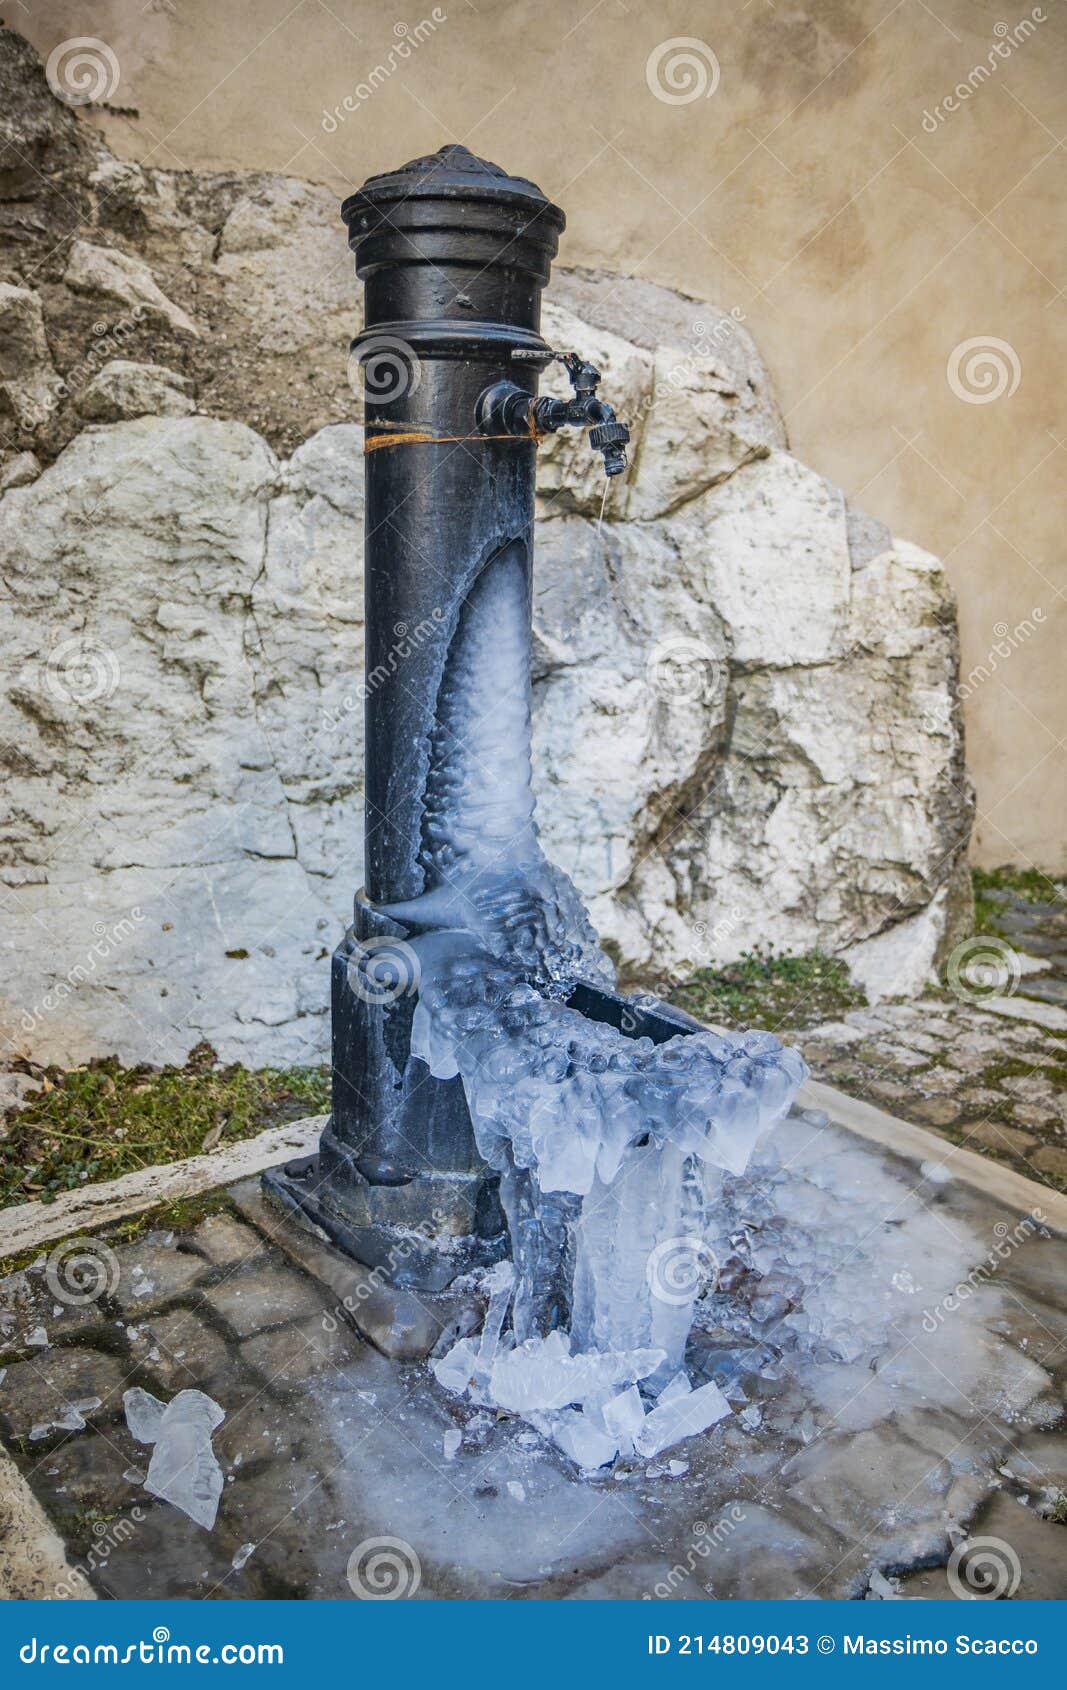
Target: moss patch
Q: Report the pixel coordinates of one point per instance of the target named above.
(103, 1120)
(1018, 1067)
(1028, 883)
(774, 993)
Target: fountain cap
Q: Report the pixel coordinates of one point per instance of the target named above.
(447, 227)
(451, 173)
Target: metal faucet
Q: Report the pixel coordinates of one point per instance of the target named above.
(507, 409)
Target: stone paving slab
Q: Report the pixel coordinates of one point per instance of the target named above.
(328, 1444)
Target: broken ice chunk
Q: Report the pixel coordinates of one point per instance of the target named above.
(241, 1556)
(517, 1490)
(677, 1387)
(882, 1589)
(38, 1338)
(455, 1370)
(540, 1375)
(144, 1414)
(681, 1418)
(184, 1470)
(576, 1435)
(451, 1442)
(133, 1476)
(500, 1283)
(623, 1417)
(677, 1468)
(71, 1420)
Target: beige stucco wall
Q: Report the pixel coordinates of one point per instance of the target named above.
(865, 231)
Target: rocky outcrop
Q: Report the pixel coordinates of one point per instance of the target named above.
(744, 721)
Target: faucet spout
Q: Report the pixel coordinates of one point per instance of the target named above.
(506, 408)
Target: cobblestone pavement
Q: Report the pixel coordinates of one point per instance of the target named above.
(826, 1480)
(982, 1062)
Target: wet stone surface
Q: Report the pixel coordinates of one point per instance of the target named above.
(986, 1068)
(828, 1479)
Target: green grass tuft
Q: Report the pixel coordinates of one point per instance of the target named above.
(774, 993)
(1028, 883)
(103, 1120)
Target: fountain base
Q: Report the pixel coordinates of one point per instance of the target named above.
(421, 1235)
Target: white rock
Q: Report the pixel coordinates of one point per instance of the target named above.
(900, 961)
(124, 388)
(283, 252)
(29, 386)
(112, 274)
(19, 471)
(1048, 1015)
(743, 708)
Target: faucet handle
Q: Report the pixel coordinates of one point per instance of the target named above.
(607, 434)
(584, 377)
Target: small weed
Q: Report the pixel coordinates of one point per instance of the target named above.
(990, 885)
(771, 992)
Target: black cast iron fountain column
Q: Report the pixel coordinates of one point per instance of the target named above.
(454, 254)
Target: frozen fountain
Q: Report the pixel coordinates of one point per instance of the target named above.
(497, 1104)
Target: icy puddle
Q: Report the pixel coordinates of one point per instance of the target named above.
(888, 1345)
(879, 1370)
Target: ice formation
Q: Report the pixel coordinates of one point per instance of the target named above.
(607, 1146)
(184, 1470)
